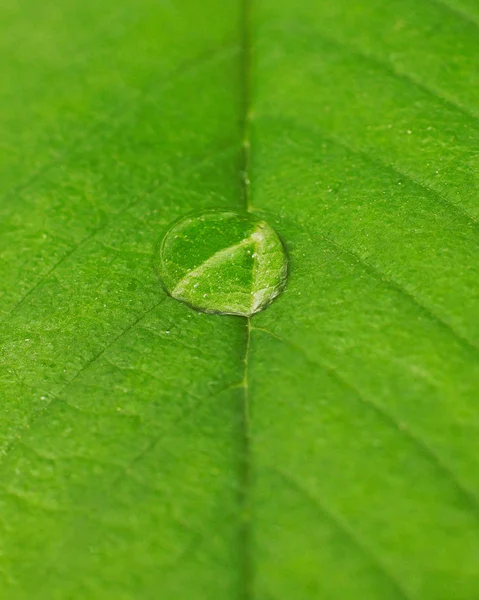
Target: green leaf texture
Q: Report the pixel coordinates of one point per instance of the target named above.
(326, 448)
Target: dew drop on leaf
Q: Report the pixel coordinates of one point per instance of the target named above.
(223, 262)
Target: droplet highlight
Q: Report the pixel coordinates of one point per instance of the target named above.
(223, 262)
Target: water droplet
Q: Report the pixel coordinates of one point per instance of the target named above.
(223, 262)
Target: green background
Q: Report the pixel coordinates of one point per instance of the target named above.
(128, 469)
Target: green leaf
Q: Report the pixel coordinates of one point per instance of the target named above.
(326, 448)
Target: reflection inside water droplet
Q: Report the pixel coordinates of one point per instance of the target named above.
(223, 262)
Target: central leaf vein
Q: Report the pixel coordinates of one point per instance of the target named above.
(246, 590)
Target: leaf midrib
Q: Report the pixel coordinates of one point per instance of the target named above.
(247, 585)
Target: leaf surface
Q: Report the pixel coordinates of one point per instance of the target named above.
(326, 447)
